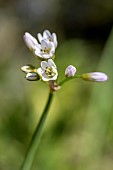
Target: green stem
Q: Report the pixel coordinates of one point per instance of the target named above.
(36, 137)
(70, 78)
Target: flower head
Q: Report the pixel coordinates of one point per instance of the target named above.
(45, 50)
(48, 70)
(95, 76)
(70, 71)
(47, 35)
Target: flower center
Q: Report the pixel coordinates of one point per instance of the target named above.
(46, 50)
(50, 72)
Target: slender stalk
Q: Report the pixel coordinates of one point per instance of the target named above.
(36, 137)
(67, 79)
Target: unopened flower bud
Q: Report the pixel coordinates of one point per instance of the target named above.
(28, 68)
(32, 76)
(95, 76)
(70, 71)
(30, 41)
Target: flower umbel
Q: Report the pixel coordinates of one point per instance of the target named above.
(44, 48)
(48, 70)
(95, 76)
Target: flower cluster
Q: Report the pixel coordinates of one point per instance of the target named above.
(43, 48)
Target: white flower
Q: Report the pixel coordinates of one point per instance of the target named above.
(70, 71)
(95, 76)
(47, 35)
(48, 70)
(30, 41)
(45, 50)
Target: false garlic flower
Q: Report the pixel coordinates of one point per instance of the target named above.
(30, 41)
(45, 50)
(47, 35)
(48, 70)
(95, 76)
(70, 71)
(44, 47)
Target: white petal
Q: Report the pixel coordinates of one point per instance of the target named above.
(40, 71)
(29, 36)
(51, 63)
(54, 70)
(44, 65)
(45, 77)
(40, 38)
(38, 54)
(46, 34)
(38, 50)
(45, 44)
(54, 37)
(55, 77)
(52, 51)
(38, 46)
(47, 56)
(50, 44)
(41, 55)
(30, 41)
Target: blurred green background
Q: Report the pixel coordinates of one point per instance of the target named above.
(78, 134)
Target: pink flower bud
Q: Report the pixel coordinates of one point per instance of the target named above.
(95, 76)
(70, 71)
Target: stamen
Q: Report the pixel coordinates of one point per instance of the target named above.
(49, 71)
